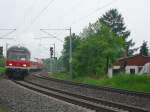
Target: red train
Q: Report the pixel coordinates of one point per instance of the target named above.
(18, 63)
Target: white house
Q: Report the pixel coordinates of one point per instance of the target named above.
(131, 65)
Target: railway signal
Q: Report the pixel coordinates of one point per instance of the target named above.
(1, 50)
(70, 46)
(51, 51)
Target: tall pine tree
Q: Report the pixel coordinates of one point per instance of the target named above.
(144, 49)
(113, 19)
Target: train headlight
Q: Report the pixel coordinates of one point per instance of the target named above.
(10, 64)
(24, 65)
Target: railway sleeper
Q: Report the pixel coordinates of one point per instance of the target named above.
(72, 99)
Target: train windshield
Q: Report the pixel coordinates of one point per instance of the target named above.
(18, 56)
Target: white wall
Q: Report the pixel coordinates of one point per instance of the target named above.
(127, 70)
(131, 67)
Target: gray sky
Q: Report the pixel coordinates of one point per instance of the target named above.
(29, 16)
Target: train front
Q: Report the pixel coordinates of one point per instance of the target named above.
(18, 62)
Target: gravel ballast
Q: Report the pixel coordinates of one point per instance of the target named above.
(20, 99)
(99, 94)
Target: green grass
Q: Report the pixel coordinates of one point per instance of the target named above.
(2, 70)
(127, 82)
(123, 81)
(3, 109)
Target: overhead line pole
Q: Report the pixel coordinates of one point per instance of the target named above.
(70, 53)
(70, 48)
(2, 37)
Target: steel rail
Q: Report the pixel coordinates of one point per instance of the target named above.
(71, 99)
(104, 103)
(121, 91)
(100, 101)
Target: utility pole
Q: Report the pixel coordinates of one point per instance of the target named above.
(10, 31)
(70, 54)
(54, 64)
(54, 50)
(6, 47)
(70, 46)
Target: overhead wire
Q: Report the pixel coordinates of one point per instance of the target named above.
(7, 34)
(40, 13)
(29, 9)
(52, 36)
(69, 11)
(96, 10)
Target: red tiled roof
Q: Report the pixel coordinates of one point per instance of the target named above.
(136, 60)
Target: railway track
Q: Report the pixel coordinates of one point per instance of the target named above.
(132, 93)
(99, 105)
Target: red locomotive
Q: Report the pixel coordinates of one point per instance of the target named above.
(18, 62)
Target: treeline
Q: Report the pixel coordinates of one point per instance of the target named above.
(98, 46)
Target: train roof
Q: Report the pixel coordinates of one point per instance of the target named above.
(18, 48)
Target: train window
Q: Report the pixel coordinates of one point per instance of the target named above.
(18, 56)
(22, 58)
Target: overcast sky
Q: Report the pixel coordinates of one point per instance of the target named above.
(29, 16)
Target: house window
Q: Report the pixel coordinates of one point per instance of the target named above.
(132, 71)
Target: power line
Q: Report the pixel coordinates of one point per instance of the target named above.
(7, 29)
(45, 8)
(29, 9)
(70, 46)
(8, 33)
(7, 38)
(82, 18)
(11, 31)
(53, 36)
(96, 10)
(70, 10)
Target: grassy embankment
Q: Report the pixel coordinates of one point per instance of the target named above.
(127, 82)
(3, 109)
(2, 71)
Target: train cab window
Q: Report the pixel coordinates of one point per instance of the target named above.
(23, 59)
(18, 56)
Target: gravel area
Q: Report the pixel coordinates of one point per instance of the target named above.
(111, 96)
(20, 99)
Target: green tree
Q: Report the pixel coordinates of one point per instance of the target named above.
(92, 55)
(88, 31)
(113, 19)
(66, 47)
(144, 49)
